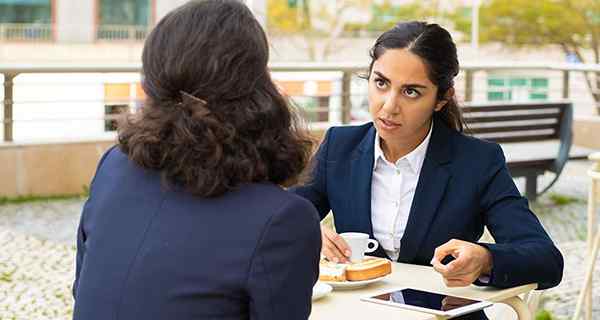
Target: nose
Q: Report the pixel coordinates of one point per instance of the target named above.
(391, 105)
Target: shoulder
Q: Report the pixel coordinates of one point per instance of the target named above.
(344, 140)
(348, 133)
(466, 144)
(274, 199)
(476, 154)
(279, 207)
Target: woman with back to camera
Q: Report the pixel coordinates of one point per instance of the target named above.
(186, 217)
(414, 182)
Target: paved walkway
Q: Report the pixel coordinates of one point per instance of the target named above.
(37, 256)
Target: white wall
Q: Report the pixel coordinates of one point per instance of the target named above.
(164, 6)
(75, 20)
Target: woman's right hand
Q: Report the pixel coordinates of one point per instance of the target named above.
(334, 246)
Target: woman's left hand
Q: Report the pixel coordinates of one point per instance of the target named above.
(471, 261)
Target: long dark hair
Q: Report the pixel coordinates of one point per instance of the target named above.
(435, 46)
(213, 119)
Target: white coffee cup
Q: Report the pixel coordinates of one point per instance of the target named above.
(359, 244)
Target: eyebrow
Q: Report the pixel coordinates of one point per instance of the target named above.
(408, 85)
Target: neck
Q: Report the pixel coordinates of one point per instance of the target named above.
(398, 148)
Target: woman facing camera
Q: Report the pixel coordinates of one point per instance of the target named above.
(413, 181)
(187, 217)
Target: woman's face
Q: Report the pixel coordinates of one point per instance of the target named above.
(402, 99)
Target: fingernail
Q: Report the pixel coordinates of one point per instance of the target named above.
(348, 253)
(432, 261)
(336, 260)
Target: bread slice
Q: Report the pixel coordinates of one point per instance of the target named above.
(331, 271)
(369, 268)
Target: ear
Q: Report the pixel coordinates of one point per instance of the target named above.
(447, 96)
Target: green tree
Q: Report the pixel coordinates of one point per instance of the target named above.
(574, 25)
(318, 24)
(321, 24)
(386, 15)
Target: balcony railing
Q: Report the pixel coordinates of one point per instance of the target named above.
(345, 102)
(25, 32)
(122, 33)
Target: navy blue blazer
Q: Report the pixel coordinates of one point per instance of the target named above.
(463, 186)
(148, 252)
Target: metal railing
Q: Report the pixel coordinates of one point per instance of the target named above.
(122, 32)
(468, 86)
(25, 32)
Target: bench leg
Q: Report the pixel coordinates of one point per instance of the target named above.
(531, 187)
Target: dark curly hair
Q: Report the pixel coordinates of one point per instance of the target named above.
(213, 119)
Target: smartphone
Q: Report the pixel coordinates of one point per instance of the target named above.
(430, 302)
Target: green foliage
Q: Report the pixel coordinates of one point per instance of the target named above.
(563, 200)
(26, 199)
(282, 17)
(570, 24)
(386, 15)
(543, 315)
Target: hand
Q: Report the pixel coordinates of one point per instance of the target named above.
(334, 246)
(471, 261)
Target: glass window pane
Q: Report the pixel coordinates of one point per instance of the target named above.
(539, 82)
(538, 96)
(25, 2)
(125, 12)
(495, 82)
(496, 96)
(518, 82)
(30, 11)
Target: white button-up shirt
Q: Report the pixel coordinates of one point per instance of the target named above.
(392, 191)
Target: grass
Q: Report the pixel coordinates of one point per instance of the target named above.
(27, 199)
(563, 200)
(37, 198)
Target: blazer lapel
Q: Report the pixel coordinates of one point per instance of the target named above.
(361, 171)
(430, 190)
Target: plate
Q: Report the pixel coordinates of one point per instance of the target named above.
(349, 285)
(320, 290)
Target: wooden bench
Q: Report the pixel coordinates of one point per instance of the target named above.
(536, 137)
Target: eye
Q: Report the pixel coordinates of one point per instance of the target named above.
(380, 83)
(411, 93)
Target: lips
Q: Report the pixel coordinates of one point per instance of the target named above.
(388, 124)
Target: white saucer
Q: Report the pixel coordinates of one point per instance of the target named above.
(349, 285)
(320, 290)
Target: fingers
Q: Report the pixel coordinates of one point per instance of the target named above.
(334, 247)
(442, 251)
(462, 271)
(452, 248)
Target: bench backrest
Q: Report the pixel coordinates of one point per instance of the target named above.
(524, 122)
(519, 122)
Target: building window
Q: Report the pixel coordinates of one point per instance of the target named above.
(124, 19)
(517, 88)
(24, 20)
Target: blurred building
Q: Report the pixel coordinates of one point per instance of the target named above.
(81, 21)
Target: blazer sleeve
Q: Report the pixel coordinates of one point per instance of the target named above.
(523, 252)
(285, 265)
(315, 190)
(80, 230)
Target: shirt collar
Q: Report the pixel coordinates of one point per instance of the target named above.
(415, 158)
